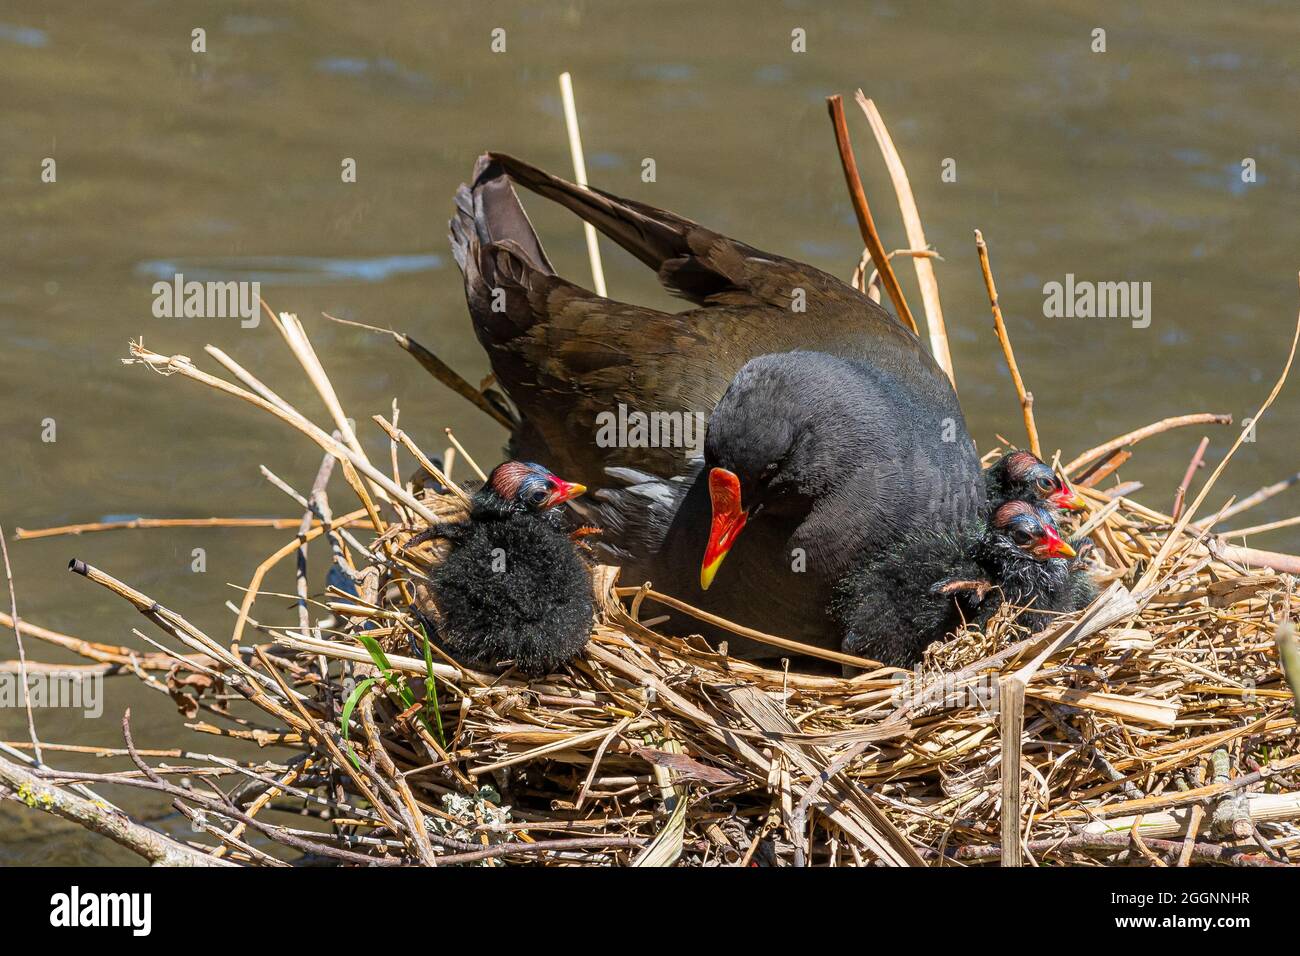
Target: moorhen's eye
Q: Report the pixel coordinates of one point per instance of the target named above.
(537, 496)
(1020, 536)
(1046, 484)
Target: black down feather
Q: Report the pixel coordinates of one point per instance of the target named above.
(513, 588)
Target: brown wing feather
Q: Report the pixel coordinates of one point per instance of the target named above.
(564, 354)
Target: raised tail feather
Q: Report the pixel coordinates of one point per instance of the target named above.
(496, 247)
(488, 212)
(652, 235)
(691, 260)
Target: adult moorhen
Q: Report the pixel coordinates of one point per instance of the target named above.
(565, 356)
(894, 605)
(513, 585)
(810, 460)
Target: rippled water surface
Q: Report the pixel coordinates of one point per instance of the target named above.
(1115, 166)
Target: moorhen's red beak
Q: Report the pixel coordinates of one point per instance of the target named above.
(728, 519)
(562, 491)
(1067, 499)
(1051, 545)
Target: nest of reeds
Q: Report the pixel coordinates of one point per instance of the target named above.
(1157, 726)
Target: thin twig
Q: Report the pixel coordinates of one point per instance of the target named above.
(24, 534)
(1258, 497)
(397, 435)
(1197, 458)
(1146, 431)
(469, 459)
(30, 788)
(16, 621)
(1171, 542)
(436, 367)
(1026, 398)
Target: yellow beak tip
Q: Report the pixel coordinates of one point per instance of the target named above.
(708, 571)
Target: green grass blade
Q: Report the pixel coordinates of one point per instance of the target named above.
(375, 651)
(391, 676)
(348, 706)
(431, 685)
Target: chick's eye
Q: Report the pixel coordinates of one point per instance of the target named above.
(537, 496)
(1046, 484)
(1021, 536)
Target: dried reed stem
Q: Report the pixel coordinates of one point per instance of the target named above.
(436, 367)
(279, 524)
(1288, 652)
(580, 177)
(254, 585)
(1258, 497)
(1155, 567)
(399, 436)
(1261, 528)
(785, 644)
(867, 225)
(1011, 710)
(182, 365)
(1026, 398)
(1146, 431)
(915, 238)
(1197, 458)
(469, 459)
(16, 623)
(295, 336)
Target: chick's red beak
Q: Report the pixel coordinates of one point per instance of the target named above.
(562, 491)
(1052, 545)
(728, 519)
(1067, 499)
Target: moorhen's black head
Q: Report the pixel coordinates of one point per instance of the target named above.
(1022, 476)
(1032, 565)
(773, 445)
(1017, 530)
(832, 454)
(522, 487)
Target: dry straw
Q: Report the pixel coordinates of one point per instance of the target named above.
(1157, 727)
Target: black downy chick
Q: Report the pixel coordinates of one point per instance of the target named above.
(1023, 476)
(1053, 583)
(893, 606)
(514, 586)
